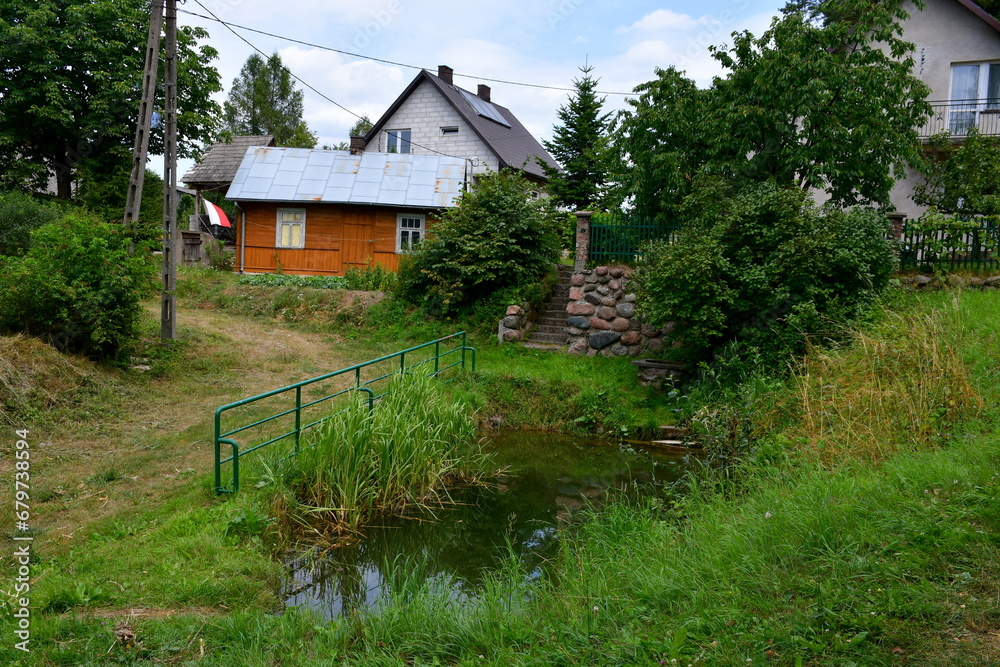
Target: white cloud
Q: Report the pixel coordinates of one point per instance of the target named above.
(661, 19)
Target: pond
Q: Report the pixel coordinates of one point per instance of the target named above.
(547, 479)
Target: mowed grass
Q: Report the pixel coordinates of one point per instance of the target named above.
(828, 549)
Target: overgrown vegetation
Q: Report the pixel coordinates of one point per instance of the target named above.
(493, 250)
(20, 214)
(962, 179)
(363, 463)
(857, 524)
(371, 278)
(78, 287)
(750, 278)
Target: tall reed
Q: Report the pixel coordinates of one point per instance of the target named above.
(363, 463)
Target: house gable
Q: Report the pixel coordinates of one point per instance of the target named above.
(424, 111)
(508, 142)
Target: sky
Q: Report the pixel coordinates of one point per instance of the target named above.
(541, 42)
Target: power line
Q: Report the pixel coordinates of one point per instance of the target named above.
(325, 97)
(293, 40)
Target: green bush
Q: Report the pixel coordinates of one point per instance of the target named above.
(752, 276)
(77, 287)
(19, 215)
(498, 238)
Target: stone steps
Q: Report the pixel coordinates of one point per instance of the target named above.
(554, 338)
(549, 330)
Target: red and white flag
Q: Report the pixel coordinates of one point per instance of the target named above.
(215, 214)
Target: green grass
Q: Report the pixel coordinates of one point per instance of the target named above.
(835, 541)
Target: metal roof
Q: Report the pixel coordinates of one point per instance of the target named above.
(219, 164)
(313, 175)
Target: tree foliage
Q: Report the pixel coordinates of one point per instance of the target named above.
(752, 275)
(264, 100)
(963, 179)
(498, 239)
(78, 287)
(828, 105)
(580, 146)
(20, 214)
(71, 84)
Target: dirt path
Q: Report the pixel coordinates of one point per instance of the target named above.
(162, 433)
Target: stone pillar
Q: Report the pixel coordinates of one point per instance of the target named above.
(896, 219)
(582, 240)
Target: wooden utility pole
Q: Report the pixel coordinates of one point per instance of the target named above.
(168, 323)
(140, 147)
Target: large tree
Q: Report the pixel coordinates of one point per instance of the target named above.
(579, 145)
(263, 100)
(71, 83)
(824, 103)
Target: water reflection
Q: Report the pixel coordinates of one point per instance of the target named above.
(548, 478)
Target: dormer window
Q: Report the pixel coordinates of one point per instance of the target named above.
(450, 129)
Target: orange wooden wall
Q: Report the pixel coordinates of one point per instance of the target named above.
(338, 236)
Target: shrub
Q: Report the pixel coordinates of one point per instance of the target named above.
(754, 275)
(497, 238)
(19, 215)
(77, 287)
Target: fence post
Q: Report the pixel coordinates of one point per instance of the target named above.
(582, 240)
(298, 416)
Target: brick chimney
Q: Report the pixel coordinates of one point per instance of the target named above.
(357, 145)
(484, 93)
(445, 73)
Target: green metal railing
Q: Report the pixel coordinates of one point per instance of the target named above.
(616, 238)
(295, 394)
(973, 249)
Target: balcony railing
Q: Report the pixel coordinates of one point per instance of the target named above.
(957, 117)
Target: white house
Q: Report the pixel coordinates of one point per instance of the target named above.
(958, 56)
(433, 116)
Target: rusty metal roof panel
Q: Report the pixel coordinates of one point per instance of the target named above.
(298, 174)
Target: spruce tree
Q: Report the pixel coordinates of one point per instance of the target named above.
(264, 100)
(580, 147)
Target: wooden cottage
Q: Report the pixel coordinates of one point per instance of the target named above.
(320, 212)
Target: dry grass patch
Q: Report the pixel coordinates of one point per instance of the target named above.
(902, 386)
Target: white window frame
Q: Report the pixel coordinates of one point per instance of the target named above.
(279, 223)
(393, 136)
(422, 218)
(964, 114)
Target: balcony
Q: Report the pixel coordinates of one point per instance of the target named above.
(957, 117)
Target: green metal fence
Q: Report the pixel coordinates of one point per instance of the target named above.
(618, 238)
(283, 415)
(973, 248)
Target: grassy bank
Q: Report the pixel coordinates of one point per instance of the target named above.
(860, 525)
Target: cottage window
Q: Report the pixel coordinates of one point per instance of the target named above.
(397, 141)
(450, 129)
(291, 228)
(410, 230)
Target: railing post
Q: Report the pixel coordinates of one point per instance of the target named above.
(218, 453)
(298, 416)
(437, 356)
(582, 240)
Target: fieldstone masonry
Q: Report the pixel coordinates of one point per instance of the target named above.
(515, 324)
(602, 319)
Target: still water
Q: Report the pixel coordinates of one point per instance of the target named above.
(547, 478)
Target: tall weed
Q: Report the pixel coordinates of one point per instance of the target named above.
(902, 385)
(363, 463)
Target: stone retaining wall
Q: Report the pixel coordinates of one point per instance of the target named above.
(515, 325)
(602, 319)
